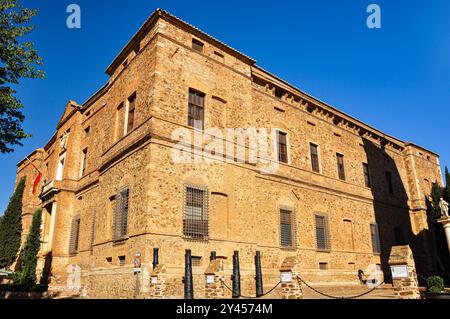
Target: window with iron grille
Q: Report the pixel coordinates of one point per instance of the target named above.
(196, 261)
(322, 236)
(282, 147)
(314, 149)
(196, 219)
(376, 246)
(196, 111)
(131, 112)
(120, 223)
(323, 266)
(287, 228)
(389, 182)
(74, 235)
(366, 175)
(340, 166)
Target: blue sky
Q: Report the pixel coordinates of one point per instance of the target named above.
(396, 78)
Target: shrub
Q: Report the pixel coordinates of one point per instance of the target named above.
(435, 284)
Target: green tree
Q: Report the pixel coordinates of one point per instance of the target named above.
(447, 185)
(11, 227)
(29, 256)
(436, 194)
(18, 59)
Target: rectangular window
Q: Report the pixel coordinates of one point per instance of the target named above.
(197, 45)
(366, 175)
(83, 162)
(195, 221)
(322, 238)
(323, 266)
(314, 149)
(131, 113)
(282, 147)
(287, 228)
(389, 182)
(340, 166)
(60, 170)
(122, 260)
(374, 234)
(196, 111)
(74, 235)
(120, 224)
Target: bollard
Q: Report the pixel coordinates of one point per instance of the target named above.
(213, 256)
(188, 281)
(155, 257)
(258, 277)
(236, 276)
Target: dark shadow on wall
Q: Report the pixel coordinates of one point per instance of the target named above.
(47, 270)
(437, 236)
(391, 209)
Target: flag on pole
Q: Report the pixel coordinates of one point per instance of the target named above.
(38, 177)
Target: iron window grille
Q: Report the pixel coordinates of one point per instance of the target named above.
(375, 235)
(196, 110)
(120, 224)
(74, 235)
(196, 213)
(287, 229)
(322, 233)
(314, 157)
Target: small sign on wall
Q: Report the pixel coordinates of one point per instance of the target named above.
(286, 276)
(210, 279)
(399, 271)
(154, 280)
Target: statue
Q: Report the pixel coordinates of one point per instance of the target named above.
(443, 205)
(63, 140)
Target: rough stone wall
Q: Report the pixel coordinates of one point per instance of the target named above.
(244, 204)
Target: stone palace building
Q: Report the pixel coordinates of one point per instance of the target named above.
(342, 195)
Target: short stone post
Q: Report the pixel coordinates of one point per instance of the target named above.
(404, 277)
(158, 282)
(214, 288)
(290, 285)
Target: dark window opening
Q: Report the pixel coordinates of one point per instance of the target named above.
(279, 93)
(340, 166)
(75, 236)
(122, 260)
(282, 147)
(131, 112)
(322, 239)
(287, 228)
(374, 233)
(366, 175)
(197, 45)
(323, 266)
(314, 149)
(196, 109)
(120, 224)
(389, 182)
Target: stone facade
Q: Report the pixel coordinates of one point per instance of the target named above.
(158, 67)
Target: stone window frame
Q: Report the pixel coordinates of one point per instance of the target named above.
(294, 227)
(377, 239)
(341, 173)
(288, 153)
(60, 167)
(196, 92)
(127, 129)
(368, 183)
(123, 226)
(74, 240)
(319, 156)
(205, 212)
(327, 249)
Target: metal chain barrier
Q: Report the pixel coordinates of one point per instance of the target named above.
(248, 297)
(299, 279)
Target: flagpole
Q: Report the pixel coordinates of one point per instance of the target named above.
(32, 164)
